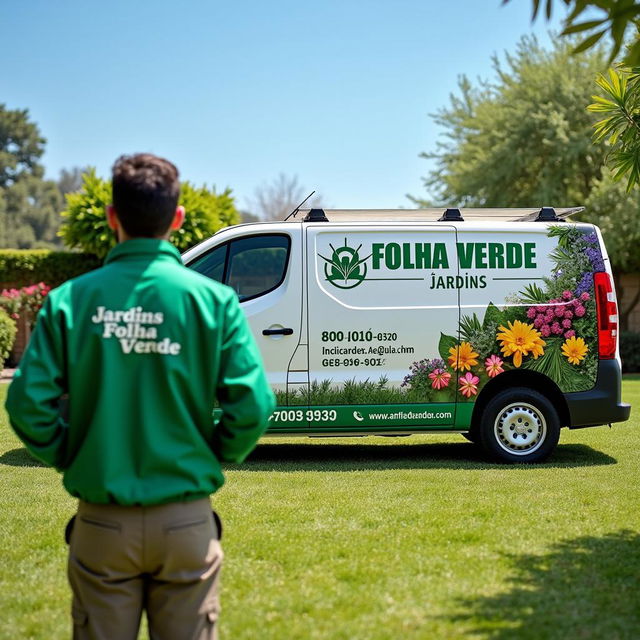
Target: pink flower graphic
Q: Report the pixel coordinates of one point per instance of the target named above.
(440, 378)
(469, 384)
(493, 365)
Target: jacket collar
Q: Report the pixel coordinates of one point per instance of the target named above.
(139, 247)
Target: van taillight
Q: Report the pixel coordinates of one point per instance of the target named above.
(607, 312)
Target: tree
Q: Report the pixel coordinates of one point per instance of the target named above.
(29, 205)
(3, 220)
(523, 139)
(70, 180)
(85, 225)
(33, 208)
(620, 128)
(21, 146)
(245, 216)
(276, 200)
(206, 212)
(616, 211)
(611, 17)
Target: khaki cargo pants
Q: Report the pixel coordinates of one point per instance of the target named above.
(163, 559)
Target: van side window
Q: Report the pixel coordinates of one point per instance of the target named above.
(212, 263)
(257, 264)
(252, 266)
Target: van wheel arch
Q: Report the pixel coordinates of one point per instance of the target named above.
(519, 378)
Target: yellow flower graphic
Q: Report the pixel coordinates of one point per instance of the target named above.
(575, 350)
(462, 356)
(519, 340)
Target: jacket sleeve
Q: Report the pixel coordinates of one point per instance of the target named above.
(34, 399)
(243, 392)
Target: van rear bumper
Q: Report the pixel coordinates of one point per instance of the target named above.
(602, 404)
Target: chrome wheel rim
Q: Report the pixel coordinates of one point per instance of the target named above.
(520, 429)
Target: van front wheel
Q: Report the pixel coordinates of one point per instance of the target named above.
(519, 425)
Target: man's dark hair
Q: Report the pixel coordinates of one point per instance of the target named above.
(145, 194)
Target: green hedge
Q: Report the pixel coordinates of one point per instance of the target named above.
(630, 351)
(7, 336)
(20, 268)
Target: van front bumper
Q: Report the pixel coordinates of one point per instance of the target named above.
(602, 404)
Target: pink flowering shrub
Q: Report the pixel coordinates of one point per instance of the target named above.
(11, 302)
(25, 301)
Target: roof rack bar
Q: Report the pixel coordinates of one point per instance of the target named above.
(451, 215)
(547, 214)
(316, 215)
(469, 215)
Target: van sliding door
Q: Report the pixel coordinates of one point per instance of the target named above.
(382, 315)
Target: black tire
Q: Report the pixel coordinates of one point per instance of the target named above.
(471, 436)
(519, 425)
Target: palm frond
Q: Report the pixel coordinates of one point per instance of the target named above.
(533, 294)
(468, 326)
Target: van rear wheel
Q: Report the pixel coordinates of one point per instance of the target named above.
(519, 425)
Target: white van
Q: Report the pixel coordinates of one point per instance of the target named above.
(498, 324)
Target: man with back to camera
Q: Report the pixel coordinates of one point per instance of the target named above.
(143, 347)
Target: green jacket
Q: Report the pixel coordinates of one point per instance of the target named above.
(143, 347)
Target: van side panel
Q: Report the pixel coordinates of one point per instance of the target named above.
(378, 305)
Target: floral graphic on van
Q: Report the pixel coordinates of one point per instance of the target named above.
(439, 378)
(520, 339)
(493, 366)
(547, 328)
(429, 381)
(462, 357)
(345, 269)
(469, 384)
(575, 350)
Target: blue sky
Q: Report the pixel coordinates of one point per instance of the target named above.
(336, 92)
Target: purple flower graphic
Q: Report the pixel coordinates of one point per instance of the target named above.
(595, 257)
(591, 238)
(585, 284)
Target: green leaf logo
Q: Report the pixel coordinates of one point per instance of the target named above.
(345, 269)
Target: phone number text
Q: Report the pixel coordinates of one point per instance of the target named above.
(358, 336)
(301, 415)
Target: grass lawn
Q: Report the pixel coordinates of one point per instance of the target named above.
(377, 538)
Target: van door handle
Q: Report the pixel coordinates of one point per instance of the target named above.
(277, 332)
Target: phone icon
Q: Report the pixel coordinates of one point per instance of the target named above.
(358, 416)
